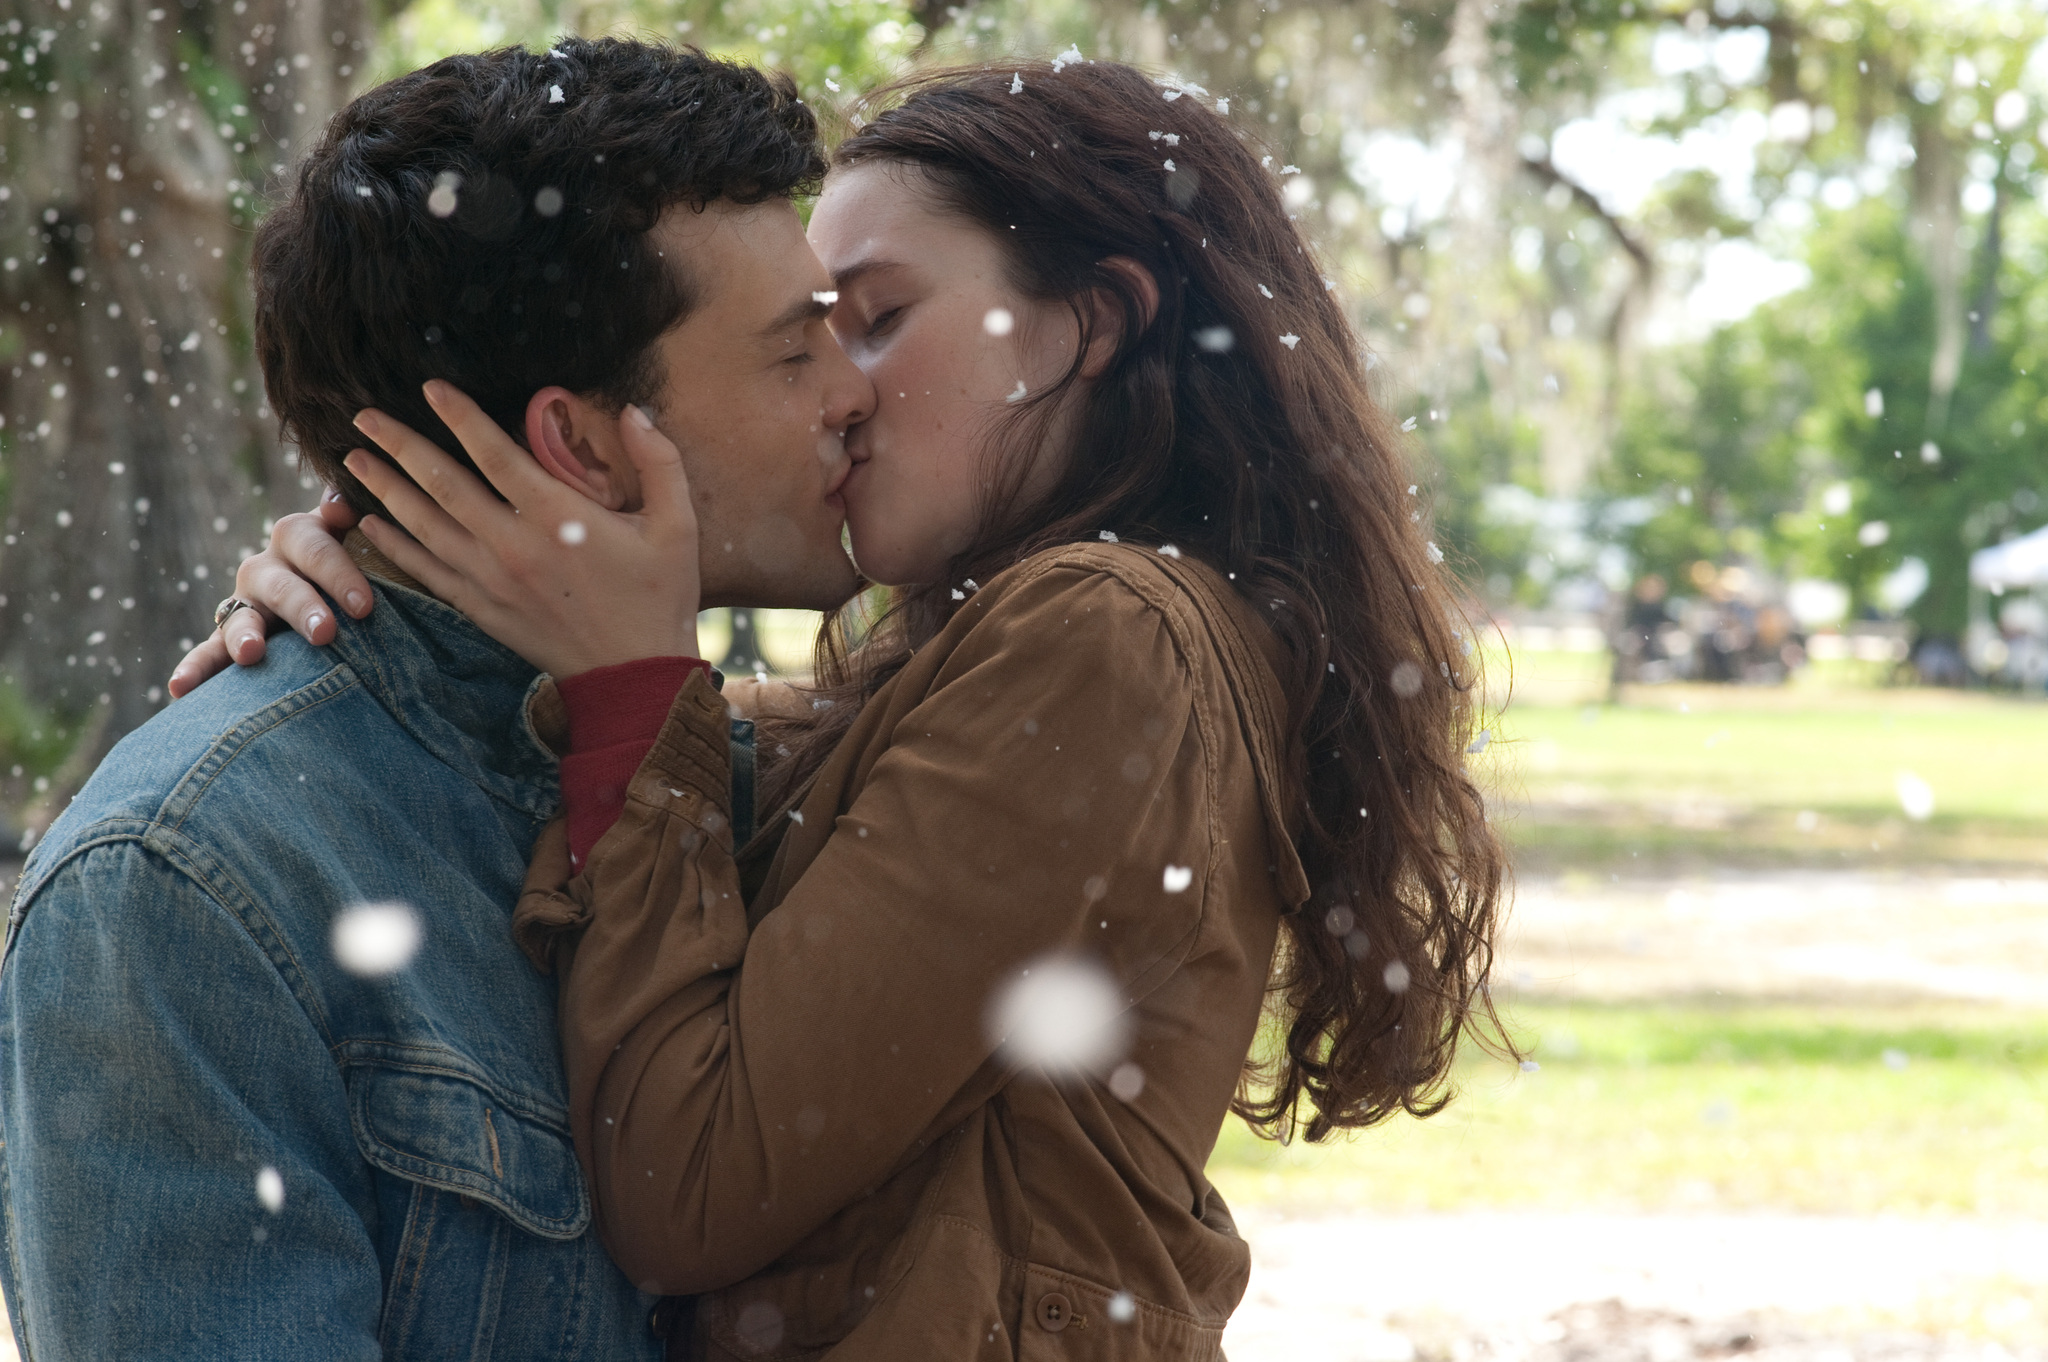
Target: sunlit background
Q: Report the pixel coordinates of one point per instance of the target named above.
(1718, 329)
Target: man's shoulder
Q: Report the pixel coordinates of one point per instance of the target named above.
(225, 752)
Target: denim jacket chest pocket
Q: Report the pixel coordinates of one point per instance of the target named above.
(482, 1188)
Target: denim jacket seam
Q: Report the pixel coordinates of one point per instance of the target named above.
(372, 1053)
(184, 798)
(189, 860)
(194, 860)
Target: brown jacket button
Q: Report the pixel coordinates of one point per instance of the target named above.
(1055, 1312)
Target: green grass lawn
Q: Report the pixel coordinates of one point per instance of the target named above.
(1808, 772)
(1666, 1108)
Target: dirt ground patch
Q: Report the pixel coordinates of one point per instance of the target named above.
(1476, 1287)
(1819, 935)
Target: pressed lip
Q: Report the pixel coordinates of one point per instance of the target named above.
(845, 471)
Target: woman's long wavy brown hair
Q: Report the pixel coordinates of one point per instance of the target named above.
(1234, 422)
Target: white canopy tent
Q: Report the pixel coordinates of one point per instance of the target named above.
(2014, 565)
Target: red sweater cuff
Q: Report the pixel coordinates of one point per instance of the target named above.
(615, 714)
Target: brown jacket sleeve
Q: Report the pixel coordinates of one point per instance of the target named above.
(731, 1094)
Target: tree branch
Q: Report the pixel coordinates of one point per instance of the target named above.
(1545, 170)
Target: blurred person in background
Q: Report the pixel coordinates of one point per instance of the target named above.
(1638, 649)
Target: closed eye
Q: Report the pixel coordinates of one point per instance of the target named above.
(883, 319)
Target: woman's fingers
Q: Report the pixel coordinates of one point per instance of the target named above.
(335, 512)
(418, 562)
(244, 633)
(664, 487)
(309, 548)
(208, 659)
(500, 458)
(418, 513)
(459, 493)
(271, 584)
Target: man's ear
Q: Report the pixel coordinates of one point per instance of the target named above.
(579, 445)
(1106, 329)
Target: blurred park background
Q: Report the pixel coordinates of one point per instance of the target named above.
(1720, 330)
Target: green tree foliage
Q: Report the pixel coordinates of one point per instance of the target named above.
(1802, 436)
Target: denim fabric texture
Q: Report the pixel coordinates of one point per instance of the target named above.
(173, 1021)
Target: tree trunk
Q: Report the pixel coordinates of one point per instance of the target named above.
(141, 138)
(1936, 219)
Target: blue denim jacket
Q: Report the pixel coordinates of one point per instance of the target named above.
(173, 1021)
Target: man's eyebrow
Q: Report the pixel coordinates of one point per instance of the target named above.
(802, 310)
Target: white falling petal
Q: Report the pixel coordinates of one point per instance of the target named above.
(1127, 1082)
(1916, 796)
(825, 296)
(269, 1189)
(1018, 395)
(1017, 83)
(1123, 1307)
(998, 321)
(1530, 1066)
(1177, 878)
(1479, 743)
(375, 939)
(1395, 977)
(572, 532)
(1107, 536)
(1071, 57)
(1436, 555)
(1223, 106)
(1408, 424)
(441, 200)
(1290, 340)
(1169, 163)
(1060, 1014)
(832, 85)
(1169, 551)
(958, 594)
(1263, 289)
(555, 95)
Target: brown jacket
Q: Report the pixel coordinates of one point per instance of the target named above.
(795, 1107)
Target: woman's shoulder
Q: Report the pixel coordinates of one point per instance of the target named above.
(1109, 576)
(1102, 607)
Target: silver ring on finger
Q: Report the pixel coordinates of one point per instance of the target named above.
(229, 607)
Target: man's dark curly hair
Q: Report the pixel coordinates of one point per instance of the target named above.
(485, 220)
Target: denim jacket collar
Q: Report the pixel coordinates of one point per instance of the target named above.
(461, 694)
